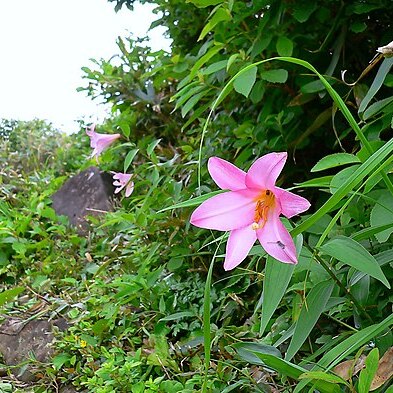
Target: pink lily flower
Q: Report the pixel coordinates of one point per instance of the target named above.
(251, 209)
(99, 142)
(123, 180)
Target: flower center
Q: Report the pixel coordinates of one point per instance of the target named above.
(264, 202)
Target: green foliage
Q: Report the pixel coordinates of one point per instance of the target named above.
(150, 307)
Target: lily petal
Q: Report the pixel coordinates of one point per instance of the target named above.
(276, 240)
(227, 211)
(226, 175)
(265, 171)
(239, 244)
(291, 204)
(129, 189)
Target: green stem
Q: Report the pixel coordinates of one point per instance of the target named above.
(206, 318)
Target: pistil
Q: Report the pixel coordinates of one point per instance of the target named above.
(264, 202)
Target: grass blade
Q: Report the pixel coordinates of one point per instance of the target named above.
(315, 304)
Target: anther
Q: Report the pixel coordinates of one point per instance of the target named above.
(255, 226)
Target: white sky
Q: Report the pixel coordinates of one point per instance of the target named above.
(44, 44)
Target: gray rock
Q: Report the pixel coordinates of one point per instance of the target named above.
(20, 341)
(87, 193)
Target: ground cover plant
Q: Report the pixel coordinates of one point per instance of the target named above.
(171, 292)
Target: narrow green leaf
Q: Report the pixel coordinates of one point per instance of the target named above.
(217, 66)
(353, 343)
(315, 304)
(246, 350)
(232, 59)
(294, 371)
(181, 99)
(192, 102)
(129, 157)
(312, 87)
(9, 294)
(192, 202)
(350, 252)
(318, 182)
(204, 3)
(178, 315)
(321, 375)
(377, 83)
(204, 59)
(367, 233)
(152, 146)
(221, 15)
(277, 277)
(376, 107)
(244, 82)
(367, 375)
(334, 160)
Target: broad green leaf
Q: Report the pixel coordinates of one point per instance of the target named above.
(9, 294)
(257, 92)
(129, 157)
(315, 304)
(341, 177)
(381, 215)
(303, 10)
(277, 277)
(350, 252)
(334, 160)
(275, 76)
(284, 46)
(244, 82)
(59, 360)
(377, 83)
(125, 127)
(367, 375)
(192, 202)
